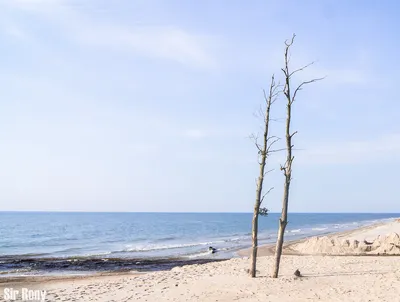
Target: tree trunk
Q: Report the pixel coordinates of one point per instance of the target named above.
(263, 151)
(281, 232)
(255, 220)
(287, 168)
(255, 244)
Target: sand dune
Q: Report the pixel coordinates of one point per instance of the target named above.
(381, 239)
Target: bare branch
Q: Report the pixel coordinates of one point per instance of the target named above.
(269, 171)
(277, 120)
(265, 194)
(276, 91)
(269, 191)
(254, 138)
(287, 59)
(301, 85)
(288, 44)
(277, 150)
(272, 143)
(272, 137)
(301, 69)
(265, 96)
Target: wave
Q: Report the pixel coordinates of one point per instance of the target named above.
(220, 251)
(74, 254)
(198, 255)
(26, 255)
(319, 229)
(235, 239)
(16, 271)
(166, 247)
(173, 245)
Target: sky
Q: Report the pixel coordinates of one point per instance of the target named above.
(148, 105)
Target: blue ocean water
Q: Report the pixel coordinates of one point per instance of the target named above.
(155, 235)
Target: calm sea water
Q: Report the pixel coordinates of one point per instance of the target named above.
(154, 235)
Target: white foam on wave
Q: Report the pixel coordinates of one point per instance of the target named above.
(165, 247)
(319, 229)
(206, 253)
(197, 255)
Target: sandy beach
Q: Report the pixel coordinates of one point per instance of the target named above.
(383, 238)
(324, 278)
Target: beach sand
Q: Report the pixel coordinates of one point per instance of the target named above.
(324, 278)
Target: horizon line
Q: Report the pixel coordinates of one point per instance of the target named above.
(183, 212)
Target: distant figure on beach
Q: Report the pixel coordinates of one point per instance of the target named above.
(212, 250)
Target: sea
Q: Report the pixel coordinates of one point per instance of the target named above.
(39, 243)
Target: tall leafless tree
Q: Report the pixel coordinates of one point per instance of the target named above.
(287, 167)
(263, 151)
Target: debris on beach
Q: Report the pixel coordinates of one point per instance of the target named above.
(297, 273)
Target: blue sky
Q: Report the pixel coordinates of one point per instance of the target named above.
(147, 105)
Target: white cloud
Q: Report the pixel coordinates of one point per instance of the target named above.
(383, 149)
(166, 42)
(161, 42)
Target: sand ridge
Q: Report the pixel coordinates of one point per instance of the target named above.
(381, 239)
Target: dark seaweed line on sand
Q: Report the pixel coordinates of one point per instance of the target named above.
(95, 264)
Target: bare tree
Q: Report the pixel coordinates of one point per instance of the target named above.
(287, 167)
(263, 151)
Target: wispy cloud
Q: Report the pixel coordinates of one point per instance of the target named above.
(164, 42)
(161, 42)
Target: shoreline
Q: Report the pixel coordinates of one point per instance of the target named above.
(82, 268)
